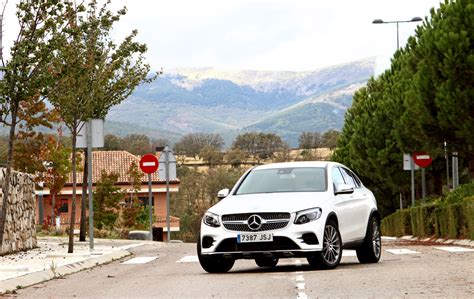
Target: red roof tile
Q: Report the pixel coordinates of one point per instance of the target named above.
(113, 162)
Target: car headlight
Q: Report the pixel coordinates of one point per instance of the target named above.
(211, 219)
(308, 215)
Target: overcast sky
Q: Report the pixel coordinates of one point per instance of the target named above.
(262, 34)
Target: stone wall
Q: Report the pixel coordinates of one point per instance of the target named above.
(20, 231)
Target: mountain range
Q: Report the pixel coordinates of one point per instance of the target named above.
(231, 102)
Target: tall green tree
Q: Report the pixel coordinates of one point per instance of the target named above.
(26, 74)
(92, 73)
(424, 99)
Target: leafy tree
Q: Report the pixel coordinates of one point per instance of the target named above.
(260, 145)
(132, 209)
(329, 139)
(191, 144)
(107, 197)
(211, 155)
(197, 192)
(308, 140)
(112, 143)
(58, 168)
(26, 75)
(438, 101)
(236, 157)
(92, 73)
(415, 106)
(136, 144)
(219, 178)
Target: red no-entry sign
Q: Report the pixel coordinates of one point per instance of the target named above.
(149, 163)
(422, 159)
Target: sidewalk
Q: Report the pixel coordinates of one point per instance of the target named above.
(51, 260)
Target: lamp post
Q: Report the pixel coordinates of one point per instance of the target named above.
(380, 21)
(412, 166)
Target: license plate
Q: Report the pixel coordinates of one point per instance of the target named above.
(254, 237)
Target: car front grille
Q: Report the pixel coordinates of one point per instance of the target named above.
(271, 221)
(279, 243)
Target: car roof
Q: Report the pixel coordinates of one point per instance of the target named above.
(296, 164)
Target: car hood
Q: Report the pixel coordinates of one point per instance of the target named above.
(269, 202)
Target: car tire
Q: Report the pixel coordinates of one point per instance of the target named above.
(330, 256)
(268, 262)
(214, 263)
(371, 250)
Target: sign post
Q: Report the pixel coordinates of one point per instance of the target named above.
(409, 165)
(423, 160)
(168, 173)
(149, 164)
(91, 134)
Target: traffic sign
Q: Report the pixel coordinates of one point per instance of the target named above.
(422, 159)
(149, 163)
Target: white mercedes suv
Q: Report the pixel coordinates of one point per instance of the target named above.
(295, 209)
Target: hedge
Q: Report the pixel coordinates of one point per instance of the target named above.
(439, 220)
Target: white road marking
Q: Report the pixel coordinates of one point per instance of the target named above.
(300, 285)
(140, 260)
(301, 295)
(401, 251)
(349, 252)
(454, 249)
(188, 259)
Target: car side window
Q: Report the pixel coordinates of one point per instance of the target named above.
(337, 178)
(356, 179)
(348, 178)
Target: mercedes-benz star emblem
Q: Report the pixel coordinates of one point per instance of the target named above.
(254, 222)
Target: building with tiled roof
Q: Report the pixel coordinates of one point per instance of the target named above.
(117, 162)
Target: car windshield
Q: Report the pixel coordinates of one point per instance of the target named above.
(307, 179)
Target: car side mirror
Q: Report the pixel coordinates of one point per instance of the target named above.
(223, 193)
(344, 189)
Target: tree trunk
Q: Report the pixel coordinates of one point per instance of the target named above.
(82, 233)
(6, 183)
(73, 206)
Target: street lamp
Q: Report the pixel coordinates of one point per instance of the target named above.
(380, 21)
(414, 19)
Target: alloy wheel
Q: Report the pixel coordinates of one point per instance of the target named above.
(376, 240)
(331, 245)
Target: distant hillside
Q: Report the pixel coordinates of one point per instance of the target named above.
(183, 101)
(323, 112)
(228, 102)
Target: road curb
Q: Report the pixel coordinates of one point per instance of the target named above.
(10, 285)
(461, 242)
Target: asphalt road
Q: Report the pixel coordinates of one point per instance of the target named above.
(172, 271)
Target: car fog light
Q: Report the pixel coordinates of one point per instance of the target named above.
(306, 216)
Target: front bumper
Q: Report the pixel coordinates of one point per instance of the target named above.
(291, 240)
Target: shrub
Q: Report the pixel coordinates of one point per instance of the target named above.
(442, 220)
(458, 195)
(397, 224)
(423, 220)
